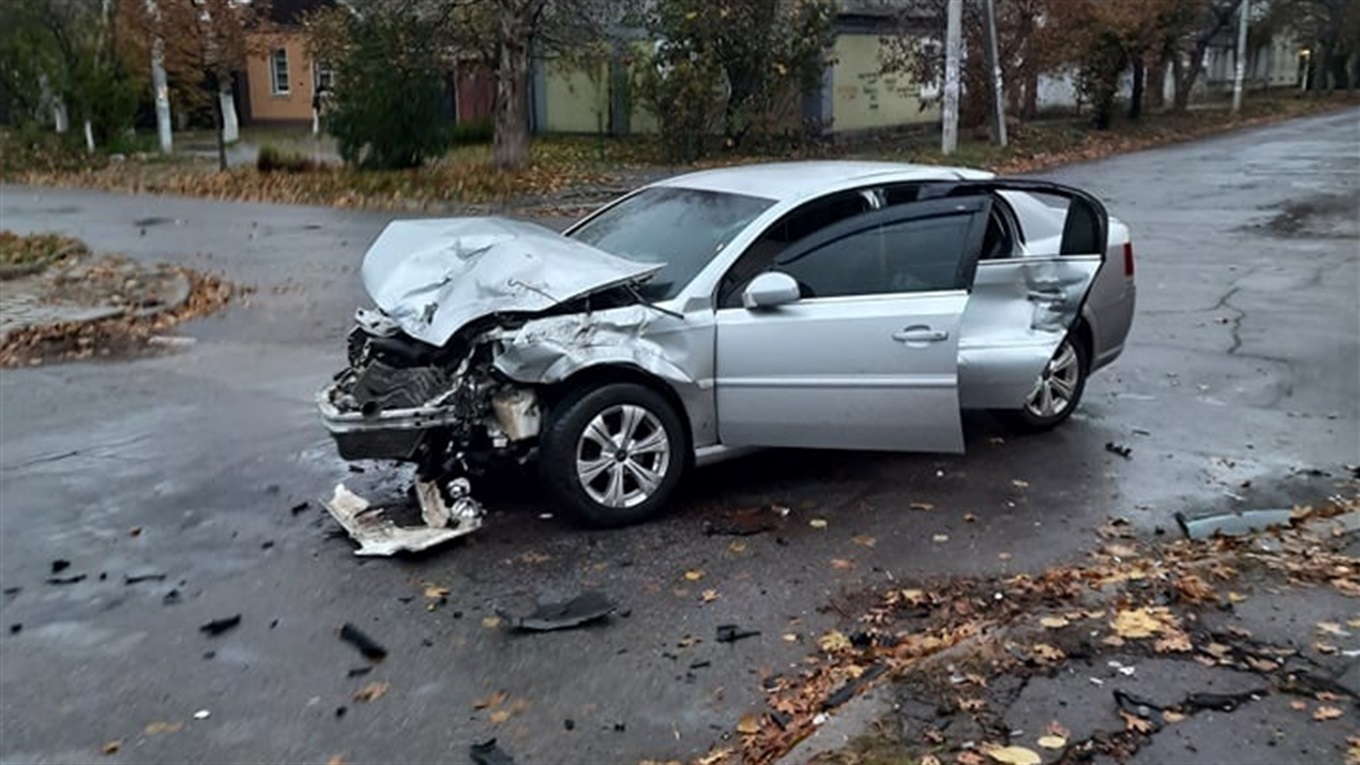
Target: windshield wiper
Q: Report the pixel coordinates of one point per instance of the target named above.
(632, 289)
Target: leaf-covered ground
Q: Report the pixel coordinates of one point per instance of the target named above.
(572, 174)
(956, 641)
(16, 250)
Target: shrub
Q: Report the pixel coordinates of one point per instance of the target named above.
(272, 158)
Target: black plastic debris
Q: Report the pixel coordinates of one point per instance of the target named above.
(358, 671)
(299, 507)
(701, 664)
(209, 655)
(274, 623)
(59, 565)
(266, 545)
(367, 646)
(139, 578)
(852, 687)
(569, 724)
(1119, 449)
(1221, 702)
(340, 711)
(65, 579)
(15, 629)
(620, 727)
(12, 591)
(488, 753)
(731, 633)
(587, 607)
(171, 598)
(218, 626)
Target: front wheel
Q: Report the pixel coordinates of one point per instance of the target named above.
(613, 455)
(1056, 392)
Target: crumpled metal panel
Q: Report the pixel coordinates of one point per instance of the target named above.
(434, 276)
(1018, 313)
(551, 349)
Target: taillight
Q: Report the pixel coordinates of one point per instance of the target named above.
(1128, 259)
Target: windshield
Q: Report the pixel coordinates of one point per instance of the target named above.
(683, 228)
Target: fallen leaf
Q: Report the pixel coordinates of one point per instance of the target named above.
(1054, 622)
(1218, 650)
(1331, 628)
(1004, 556)
(491, 622)
(1174, 642)
(1046, 652)
(1136, 623)
(157, 728)
(969, 758)
(969, 518)
(1172, 717)
(1121, 551)
(749, 725)
(1114, 641)
(737, 547)
(1326, 696)
(1326, 649)
(833, 641)
(1327, 713)
(1262, 665)
(532, 558)
(499, 716)
(940, 538)
(912, 597)
(1298, 705)
(494, 700)
(817, 523)
(1055, 728)
(864, 540)
(1135, 723)
(929, 759)
(923, 507)
(1236, 597)
(112, 747)
(435, 593)
(1052, 742)
(694, 575)
(841, 564)
(715, 758)
(1353, 752)
(708, 596)
(336, 760)
(1019, 484)
(1015, 755)
(372, 692)
(790, 637)
(971, 705)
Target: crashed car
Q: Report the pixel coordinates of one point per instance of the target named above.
(830, 305)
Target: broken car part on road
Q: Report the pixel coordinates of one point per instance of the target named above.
(706, 313)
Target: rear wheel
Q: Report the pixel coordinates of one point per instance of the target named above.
(1057, 391)
(614, 454)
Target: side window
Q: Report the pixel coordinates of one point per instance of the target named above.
(797, 225)
(919, 255)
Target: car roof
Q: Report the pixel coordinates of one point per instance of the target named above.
(782, 181)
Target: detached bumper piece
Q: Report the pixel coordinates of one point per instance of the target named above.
(379, 535)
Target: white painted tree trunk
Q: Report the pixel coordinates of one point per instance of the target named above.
(160, 84)
(61, 117)
(231, 127)
(953, 54)
(89, 137)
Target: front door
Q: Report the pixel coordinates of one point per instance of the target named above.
(868, 357)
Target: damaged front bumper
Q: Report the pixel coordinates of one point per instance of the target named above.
(377, 534)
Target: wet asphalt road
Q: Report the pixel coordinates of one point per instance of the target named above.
(1242, 375)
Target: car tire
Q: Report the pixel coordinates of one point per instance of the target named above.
(635, 482)
(1057, 392)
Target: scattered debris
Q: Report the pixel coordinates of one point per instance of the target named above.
(300, 507)
(358, 671)
(171, 598)
(379, 535)
(747, 522)
(366, 645)
(731, 633)
(159, 728)
(1234, 524)
(218, 626)
(817, 523)
(371, 692)
(12, 591)
(202, 714)
(1119, 449)
(111, 748)
(587, 607)
(139, 578)
(66, 579)
(16, 628)
(488, 753)
(59, 565)
(1014, 755)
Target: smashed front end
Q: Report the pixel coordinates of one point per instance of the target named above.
(421, 385)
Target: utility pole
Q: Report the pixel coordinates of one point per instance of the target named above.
(994, 63)
(1240, 71)
(953, 53)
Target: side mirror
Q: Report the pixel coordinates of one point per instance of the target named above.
(769, 290)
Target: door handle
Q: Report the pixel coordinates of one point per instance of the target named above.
(921, 335)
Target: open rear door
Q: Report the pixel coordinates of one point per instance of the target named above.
(1040, 260)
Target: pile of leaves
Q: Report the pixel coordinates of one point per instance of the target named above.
(120, 336)
(1132, 596)
(34, 249)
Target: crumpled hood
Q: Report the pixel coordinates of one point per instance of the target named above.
(433, 276)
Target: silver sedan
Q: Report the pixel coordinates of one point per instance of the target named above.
(832, 305)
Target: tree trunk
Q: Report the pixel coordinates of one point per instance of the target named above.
(1155, 95)
(221, 135)
(1185, 80)
(510, 143)
(1136, 97)
(231, 126)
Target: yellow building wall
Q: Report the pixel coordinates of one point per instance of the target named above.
(864, 99)
(575, 102)
(265, 106)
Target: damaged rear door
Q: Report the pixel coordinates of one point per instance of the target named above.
(862, 351)
(1037, 267)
